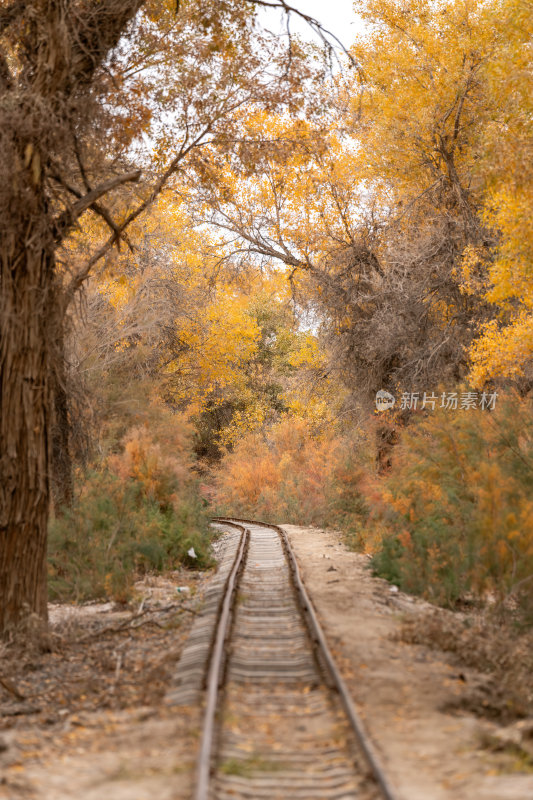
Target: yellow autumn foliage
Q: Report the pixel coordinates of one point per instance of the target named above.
(505, 348)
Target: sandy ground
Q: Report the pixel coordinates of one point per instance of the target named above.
(400, 689)
(129, 755)
(101, 728)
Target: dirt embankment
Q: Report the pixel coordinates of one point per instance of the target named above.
(402, 689)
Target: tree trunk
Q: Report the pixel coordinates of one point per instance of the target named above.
(61, 469)
(386, 439)
(55, 50)
(26, 307)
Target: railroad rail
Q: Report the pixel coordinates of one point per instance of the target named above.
(279, 722)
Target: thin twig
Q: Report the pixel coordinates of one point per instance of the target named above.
(11, 688)
(129, 622)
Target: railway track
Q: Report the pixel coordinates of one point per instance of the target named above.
(278, 720)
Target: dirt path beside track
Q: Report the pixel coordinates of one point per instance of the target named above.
(401, 688)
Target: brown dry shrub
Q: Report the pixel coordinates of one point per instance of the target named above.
(503, 654)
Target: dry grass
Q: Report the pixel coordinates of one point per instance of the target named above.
(97, 657)
(503, 654)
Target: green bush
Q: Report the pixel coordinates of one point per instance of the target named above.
(140, 511)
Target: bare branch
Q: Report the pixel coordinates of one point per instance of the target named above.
(67, 219)
(158, 186)
(98, 209)
(314, 24)
(9, 14)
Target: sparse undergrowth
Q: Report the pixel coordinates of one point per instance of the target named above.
(459, 511)
(502, 653)
(139, 510)
(97, 657)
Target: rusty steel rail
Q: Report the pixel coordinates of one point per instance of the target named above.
(322, 654)
(215, 671)
(318, 635)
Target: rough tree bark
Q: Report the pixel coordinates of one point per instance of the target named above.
(60, 44)
(26, 304)
(61, 457)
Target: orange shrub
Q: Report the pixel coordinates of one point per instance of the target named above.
(288, 474)
(460, 502)
(138, 509)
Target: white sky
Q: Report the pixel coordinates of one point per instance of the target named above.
(338, 16)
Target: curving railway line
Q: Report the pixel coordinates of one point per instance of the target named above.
(278, 721)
